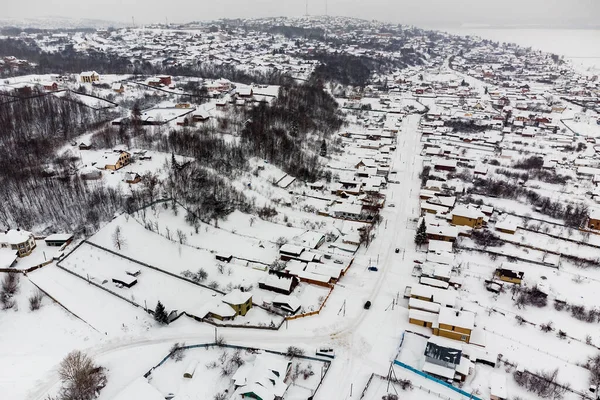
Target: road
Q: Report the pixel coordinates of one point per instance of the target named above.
(366, 341)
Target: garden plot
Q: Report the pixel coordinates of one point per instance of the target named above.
(212, 370)
(101, 310)
(156, 250)
(102, 267)
(44, 337)
(150, 248)
(169, 220)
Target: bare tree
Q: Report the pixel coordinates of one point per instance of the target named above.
(118, 239)
(81, 377)
(35, 301)
(181, 236)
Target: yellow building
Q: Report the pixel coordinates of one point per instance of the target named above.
(116, 161)
(89, 77)
(467, 216)
(22, 242)
(454, 324)
(240, 301)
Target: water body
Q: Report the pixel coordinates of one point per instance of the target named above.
(580, 46)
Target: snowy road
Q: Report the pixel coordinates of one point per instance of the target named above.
(366, 341)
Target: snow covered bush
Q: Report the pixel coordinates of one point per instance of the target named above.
(35, 301)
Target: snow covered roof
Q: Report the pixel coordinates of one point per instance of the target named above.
(292, 249)
(447, 231)
(498, 386)
(510, 223)
(467, 212)
(7, 257)
(594, 213)
(452, 317)
(88, 73)
(441, 257)
(221, 309)
(139, 389)
(14, 236)
(348, 208)
(236, 297)
(291, 302)
(59, 237)
(439, 245)
(277, 282)
(438, 370)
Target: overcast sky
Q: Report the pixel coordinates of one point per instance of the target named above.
(429, 13)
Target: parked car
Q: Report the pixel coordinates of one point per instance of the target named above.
(326, 352)
(374, 269)
(391, 205)
(397, 250)
(367, 305)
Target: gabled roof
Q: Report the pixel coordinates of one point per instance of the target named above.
(236, 297)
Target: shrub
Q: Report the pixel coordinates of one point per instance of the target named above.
(35, 301)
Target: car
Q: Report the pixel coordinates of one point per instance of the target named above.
(391, 205)
(367, 305)
(373, 269)
(397, 250)
(418, 262)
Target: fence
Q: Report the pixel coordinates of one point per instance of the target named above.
(327, 363)
(308, 314)
(427, 376)
(383, 378)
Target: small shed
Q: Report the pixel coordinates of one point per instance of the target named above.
(124, 280)
(58, 239)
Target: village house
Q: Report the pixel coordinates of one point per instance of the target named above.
(58, 239)
(21, 241)
(509, 225)
(278, 284)
(467, 216)
(347, 211)
(89, 77)
(455, 324)
(118, 87)
(116, 160)
(444, 359)
(50, 86)
(444, 233)
(263, 379)
(241, 302)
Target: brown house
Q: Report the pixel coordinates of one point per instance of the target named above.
(116, 161)
(455, 324)
(594, 221)
(467, 216)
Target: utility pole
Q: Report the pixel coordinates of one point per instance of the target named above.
(306, 13)
(132, 22)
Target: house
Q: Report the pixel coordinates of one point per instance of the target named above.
(58, 239)
(510, 272)
(240, 301)
(220, 311)
(90, 174)
(277, 284)
(594, 218)
(347, 211)
(132, 178)
(289, 304)
(444, 164)
(21, 241)
(509, 225)
(85, 146)
(50, 86)
(245, 92)
(455, 324)
(290, 251)
(118, 87)
(165, 80)
(444, 233)
(467, 216)
(89, 77)
(262, 379)
(115, 161)
(442, 357)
